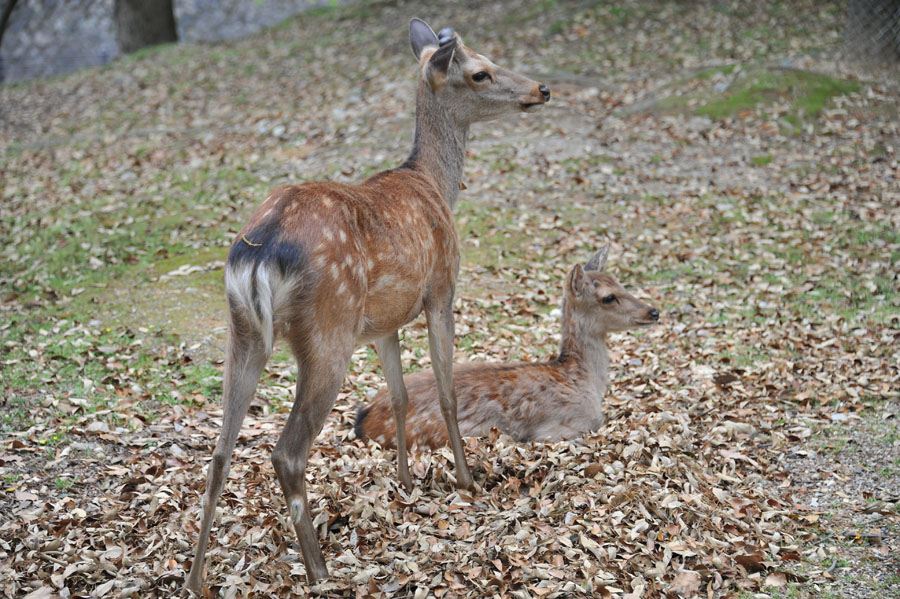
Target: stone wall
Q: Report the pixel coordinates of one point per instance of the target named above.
(46, 37)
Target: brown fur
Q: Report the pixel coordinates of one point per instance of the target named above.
(552, 400)
(374, 251)
(330, 265)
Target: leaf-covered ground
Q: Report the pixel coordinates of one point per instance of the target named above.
(749, 183)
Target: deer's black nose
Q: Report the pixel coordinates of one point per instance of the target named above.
(545, 91)
(654, 314)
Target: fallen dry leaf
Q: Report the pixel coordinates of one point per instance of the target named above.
(686, 583)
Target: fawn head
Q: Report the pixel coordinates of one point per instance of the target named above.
(466, 84)
(603, 301)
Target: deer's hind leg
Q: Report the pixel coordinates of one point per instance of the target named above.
(320, 373)
(245, 358)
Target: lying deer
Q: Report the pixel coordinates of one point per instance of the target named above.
(330, 265)
(549, 401)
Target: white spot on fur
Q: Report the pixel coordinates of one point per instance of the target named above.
(342, 288)
(384, 282)
(329, 235)
(370, 263)
(318, 339)
(297, 509)
(327, 201)
(343, 236)
(334, 271)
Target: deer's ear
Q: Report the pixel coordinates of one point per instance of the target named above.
(598, 260)
(439, 64)
(576, 281)
(420, 36)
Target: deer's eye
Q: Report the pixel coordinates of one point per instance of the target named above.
(480, 76)
(609, 299)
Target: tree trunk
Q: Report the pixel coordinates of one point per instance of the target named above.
(142, 23)
(8, 7)
(872, 31)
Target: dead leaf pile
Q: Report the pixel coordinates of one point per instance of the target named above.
(771, 252)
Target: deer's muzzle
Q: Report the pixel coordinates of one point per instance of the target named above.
(537, 98)
(651, 317)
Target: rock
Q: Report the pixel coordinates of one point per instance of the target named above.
(699, 124)
(98, 426)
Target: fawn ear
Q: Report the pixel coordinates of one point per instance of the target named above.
(439, 64)
(420, 36)
(598, 260)
(576, 281)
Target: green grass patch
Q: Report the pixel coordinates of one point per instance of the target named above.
(802, 93)
(149, 51)
(806, 93)
(712, 72)
(63, 484)
(16, 414)
(485, 232)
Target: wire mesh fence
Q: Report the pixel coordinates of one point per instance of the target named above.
(872, 31)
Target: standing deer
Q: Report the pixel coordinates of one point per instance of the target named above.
(330, 265)
(548, 401)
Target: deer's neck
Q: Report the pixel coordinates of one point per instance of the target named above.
(586, 351)
(439, 147)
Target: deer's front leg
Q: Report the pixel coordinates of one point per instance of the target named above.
(389, 352)
(440, 345)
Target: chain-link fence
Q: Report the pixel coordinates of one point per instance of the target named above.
(872, 32)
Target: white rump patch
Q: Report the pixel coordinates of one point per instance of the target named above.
(273, 293)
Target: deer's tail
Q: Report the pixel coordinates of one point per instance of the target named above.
(359, 426)
(261, 279)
